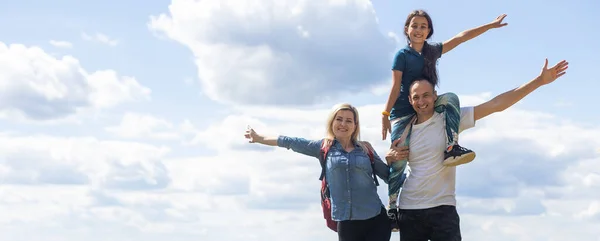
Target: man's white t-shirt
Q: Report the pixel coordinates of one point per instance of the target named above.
(430, 183)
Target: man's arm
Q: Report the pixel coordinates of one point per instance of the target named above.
(509, 98)
(505, 100)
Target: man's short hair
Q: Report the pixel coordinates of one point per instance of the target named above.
(422, 78)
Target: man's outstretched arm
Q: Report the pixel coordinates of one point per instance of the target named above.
(509, 98)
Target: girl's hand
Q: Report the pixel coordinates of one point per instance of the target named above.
(497, 23)
(385, 126)
(252, 136)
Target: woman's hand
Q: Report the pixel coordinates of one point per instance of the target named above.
(252, 136)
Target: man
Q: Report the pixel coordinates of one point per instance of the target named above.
(427, 206)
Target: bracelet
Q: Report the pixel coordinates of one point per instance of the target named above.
(385, 113)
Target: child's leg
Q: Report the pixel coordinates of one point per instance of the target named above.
(449, 104)
(400, 129)
(454, 155)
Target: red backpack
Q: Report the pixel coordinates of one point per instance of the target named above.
(325, 194)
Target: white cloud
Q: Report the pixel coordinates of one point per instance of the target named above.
(132, 189)
(37, 86)
(111, 89)
(519, 148)
(535, 178)
(61, 44)
(144, 126)
(100, 38)
(526, 228)
(529, 202)
(382, 89)
(137, 189)
(40, 159)
(284, 53)
(516, 176)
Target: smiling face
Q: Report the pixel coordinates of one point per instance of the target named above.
(418, 29)
(422, 98)
(344, 124)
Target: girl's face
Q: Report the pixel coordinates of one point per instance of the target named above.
(343, 125)
(418, 29)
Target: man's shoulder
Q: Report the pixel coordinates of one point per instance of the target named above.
(467, 118)
(466, 109)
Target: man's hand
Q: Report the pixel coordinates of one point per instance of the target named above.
(548, 76)
(396, 153)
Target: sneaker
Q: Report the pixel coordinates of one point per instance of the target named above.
(457, 156)
(393, 216)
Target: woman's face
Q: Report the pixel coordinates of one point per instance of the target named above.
(343, 125)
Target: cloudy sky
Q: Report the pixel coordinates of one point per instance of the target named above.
(124, 120)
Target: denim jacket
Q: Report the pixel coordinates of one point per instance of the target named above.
(350, 177)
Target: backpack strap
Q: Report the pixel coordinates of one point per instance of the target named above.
(325, 145)
(372, 159)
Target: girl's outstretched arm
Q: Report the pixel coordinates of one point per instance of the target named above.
(469, 34)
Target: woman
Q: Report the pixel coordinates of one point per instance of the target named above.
(355, 203)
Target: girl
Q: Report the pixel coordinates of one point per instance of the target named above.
(419, 59)
(355, 204)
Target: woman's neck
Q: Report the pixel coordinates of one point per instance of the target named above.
(417, 46)
(346, 143)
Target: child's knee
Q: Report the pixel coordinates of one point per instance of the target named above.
(450, 95)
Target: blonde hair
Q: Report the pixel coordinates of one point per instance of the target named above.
(355, 137)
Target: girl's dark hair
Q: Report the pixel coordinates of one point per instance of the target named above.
(429, 52)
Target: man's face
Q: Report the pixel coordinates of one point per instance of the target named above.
(422, 97)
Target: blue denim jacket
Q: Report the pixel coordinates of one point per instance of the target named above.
(350, 177)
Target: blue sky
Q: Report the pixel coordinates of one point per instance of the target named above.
(129, 115)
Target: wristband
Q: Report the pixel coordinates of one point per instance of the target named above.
(385, 113)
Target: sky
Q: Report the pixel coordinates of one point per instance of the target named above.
(124, 120)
